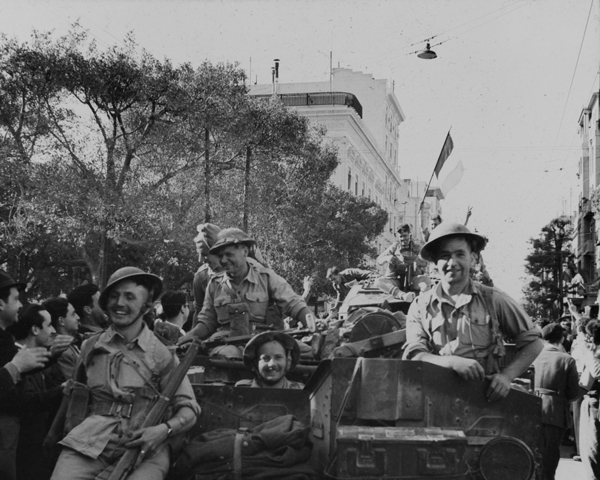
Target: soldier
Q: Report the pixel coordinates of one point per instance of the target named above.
(340, 279)
(209, 263)
(175, 312)
(246, 294)
(403, 263)
(125, 367)
(460, 324)
(270, 356)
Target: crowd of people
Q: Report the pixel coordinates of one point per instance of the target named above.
(77, 373)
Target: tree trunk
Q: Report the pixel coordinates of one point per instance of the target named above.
(206, 177)
(247, 189)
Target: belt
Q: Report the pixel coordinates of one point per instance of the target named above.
(112, 409)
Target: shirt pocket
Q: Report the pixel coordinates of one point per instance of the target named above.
(257, 305)
(221, 302)
(475, 331)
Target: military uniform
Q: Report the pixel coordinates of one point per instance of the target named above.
(473, 327)
(114, 383)
(260, 288)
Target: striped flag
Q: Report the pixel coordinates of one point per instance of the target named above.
(453, 178)
(444, 154)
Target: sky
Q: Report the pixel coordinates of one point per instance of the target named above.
(509, 83)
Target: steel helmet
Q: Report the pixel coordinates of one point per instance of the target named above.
(129, 273)
(288, 343)
(446, 230)
(231, 236)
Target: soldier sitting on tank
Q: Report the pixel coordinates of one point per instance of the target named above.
(460, 324)
(247, 296)
(341, 279)
(270, 356)
(403, 264)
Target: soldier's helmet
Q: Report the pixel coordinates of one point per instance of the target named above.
(288, 343)
(447, 230)
(128, 273)
(231, 236)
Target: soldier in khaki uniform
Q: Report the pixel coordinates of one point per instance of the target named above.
(247, 295)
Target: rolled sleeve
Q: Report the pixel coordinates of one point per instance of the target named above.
(207, 318)
(417, 340)
(513, 320)
(289, 301)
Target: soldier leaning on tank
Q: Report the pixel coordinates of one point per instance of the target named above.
(340, 279)
(403, 264)
(270, 356)
(460, 324)
(121, 370)
(238, 300)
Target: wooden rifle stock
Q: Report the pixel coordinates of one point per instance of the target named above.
(128, 460)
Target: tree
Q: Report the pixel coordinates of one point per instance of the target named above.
(544, 292)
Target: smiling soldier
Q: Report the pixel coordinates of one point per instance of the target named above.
(123, 368)
(246, 296)
(460, 324)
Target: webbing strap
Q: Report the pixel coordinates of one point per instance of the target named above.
(237, 453)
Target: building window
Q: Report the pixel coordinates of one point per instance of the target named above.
(369, 194)
(363, 190)
(356, 186)
(349, 178)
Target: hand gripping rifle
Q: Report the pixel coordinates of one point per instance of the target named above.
(156, 413)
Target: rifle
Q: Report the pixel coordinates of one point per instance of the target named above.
(156, 413)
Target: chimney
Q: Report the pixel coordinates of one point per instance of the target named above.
(276, 76)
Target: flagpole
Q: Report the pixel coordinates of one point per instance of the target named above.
(433, 173)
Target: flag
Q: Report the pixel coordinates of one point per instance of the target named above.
(453, 178)
(444, 154)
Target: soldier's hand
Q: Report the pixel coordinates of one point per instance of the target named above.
(28, 359)
(61, 343)
(148, 439)
(467, 368)
(499, 387)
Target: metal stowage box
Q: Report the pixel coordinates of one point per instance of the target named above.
(400, 452)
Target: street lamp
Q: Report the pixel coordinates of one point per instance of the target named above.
(427, 54)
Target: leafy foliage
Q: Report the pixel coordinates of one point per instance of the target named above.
(544, 291)
(113, 157)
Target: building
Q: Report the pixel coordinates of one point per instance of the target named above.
(585, 246)
(362, 116)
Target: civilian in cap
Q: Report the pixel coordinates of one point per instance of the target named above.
(270, 356)
(403, 263)
(119, 365)
(460, 324)
(238, 301)
(557, 383)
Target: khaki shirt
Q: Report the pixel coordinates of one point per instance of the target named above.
(260, 286)
(435, 325)
(109, 375)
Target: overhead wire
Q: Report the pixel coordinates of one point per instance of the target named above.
(574, 72)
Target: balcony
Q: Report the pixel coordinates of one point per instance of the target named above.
(318, 99)
(585, 207)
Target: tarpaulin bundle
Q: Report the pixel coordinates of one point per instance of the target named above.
(277, 449)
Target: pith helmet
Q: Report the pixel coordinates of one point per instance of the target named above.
(231, 236)
(6, 281)
(288, 343)
(128, 273)
(207, 236)
(446, 230)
